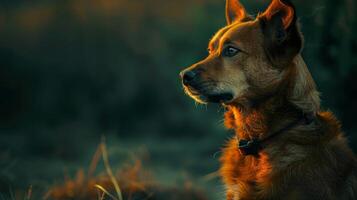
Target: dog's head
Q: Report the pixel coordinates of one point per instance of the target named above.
(248, 59)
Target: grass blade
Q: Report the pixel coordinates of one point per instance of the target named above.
(109, 170)
(105, 191)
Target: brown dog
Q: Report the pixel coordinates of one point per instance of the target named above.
(285, 147)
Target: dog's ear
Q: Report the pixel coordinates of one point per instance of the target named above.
(235, 11)
(282, 37)
(282, 11)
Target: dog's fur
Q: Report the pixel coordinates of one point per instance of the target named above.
(269, 85)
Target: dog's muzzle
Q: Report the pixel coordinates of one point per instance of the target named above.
(203, 90)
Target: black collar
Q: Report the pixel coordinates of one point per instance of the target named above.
(253, 146)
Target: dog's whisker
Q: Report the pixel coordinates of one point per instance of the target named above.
(216, 153)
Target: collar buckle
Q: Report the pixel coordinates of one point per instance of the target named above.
(249, 147)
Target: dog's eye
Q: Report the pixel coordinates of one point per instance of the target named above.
(230, 51)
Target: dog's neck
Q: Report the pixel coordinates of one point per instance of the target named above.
(261, 121)
(304, 94)
(276, 111)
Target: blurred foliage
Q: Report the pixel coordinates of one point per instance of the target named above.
(73, 70)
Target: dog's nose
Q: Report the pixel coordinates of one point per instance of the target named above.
(188, 77)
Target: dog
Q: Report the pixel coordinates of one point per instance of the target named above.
(285, 146)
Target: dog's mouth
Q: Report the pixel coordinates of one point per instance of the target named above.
(205, 95)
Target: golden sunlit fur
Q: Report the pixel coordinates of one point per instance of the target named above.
(265, 87)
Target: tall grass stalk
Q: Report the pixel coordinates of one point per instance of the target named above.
(109, 170)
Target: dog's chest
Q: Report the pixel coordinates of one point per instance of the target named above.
(258, 177)
(246, 177)
(249, 180)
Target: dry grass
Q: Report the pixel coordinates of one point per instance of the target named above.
(131, 182)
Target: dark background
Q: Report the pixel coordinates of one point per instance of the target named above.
(74, 70)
